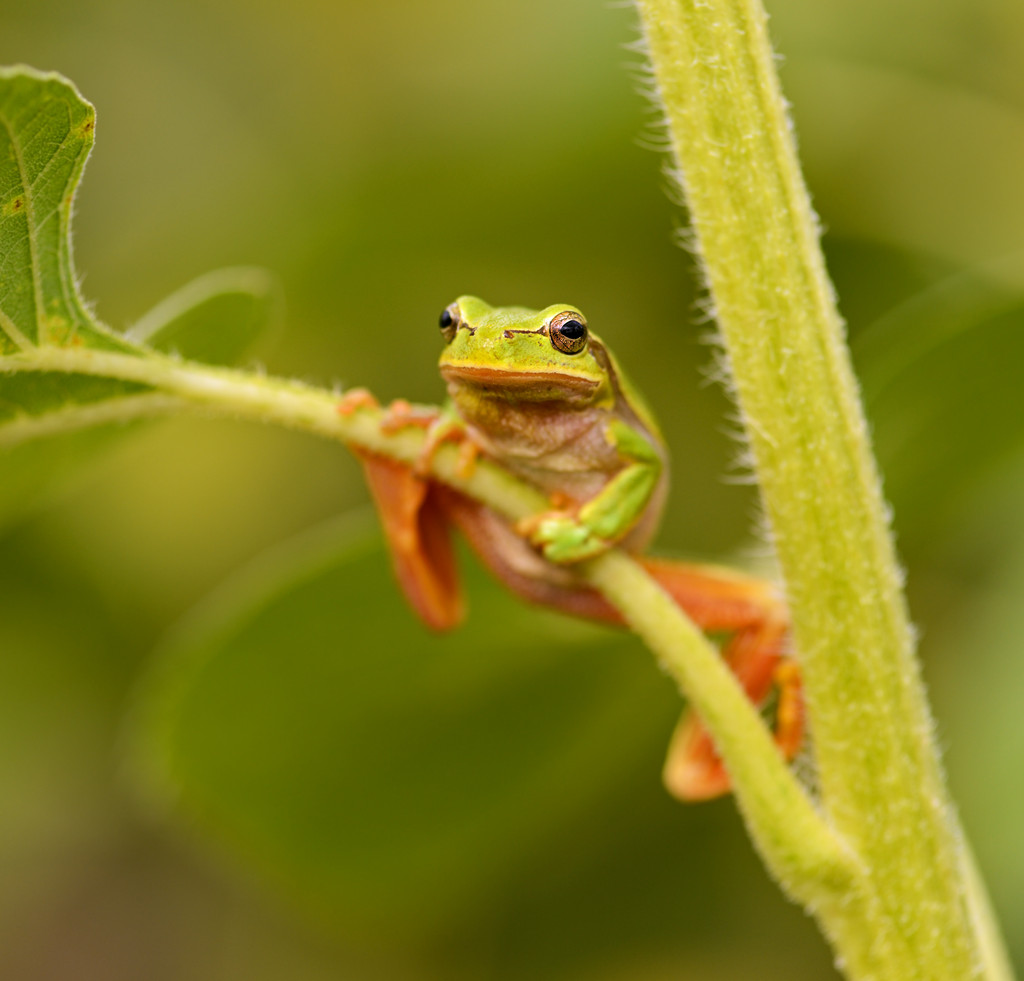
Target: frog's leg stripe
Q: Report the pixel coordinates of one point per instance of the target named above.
(622, 501)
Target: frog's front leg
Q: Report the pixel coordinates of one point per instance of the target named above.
(412, 515)
(564, 536)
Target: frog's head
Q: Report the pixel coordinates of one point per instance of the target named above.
(521, 355)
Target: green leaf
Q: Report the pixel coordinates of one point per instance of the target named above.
(941, 374)
(46, 133)
(387, 776)
(216, 318)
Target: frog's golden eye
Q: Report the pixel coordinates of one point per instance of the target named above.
(449, 322)
(568, 332)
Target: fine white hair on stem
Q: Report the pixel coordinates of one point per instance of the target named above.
(657, 137)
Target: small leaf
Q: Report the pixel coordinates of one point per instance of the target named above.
(389, 777)
(216, 318)
(46, 133)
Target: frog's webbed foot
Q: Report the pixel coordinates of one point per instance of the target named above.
(401, 414)
(561, 536)
(355, 399)
(580, 531)
(448, 428)
(441, 427)
(693, 769)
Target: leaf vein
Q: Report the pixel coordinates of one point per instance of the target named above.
(10, 329)
(37, 293)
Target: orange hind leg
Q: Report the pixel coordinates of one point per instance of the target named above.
(416, 513)
(755, 614)
(716, 599)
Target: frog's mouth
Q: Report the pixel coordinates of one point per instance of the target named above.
(526, 386)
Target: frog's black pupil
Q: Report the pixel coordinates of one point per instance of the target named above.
(573, 329)
(446, 319)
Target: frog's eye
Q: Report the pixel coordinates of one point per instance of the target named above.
(449, 322)
(568, 332)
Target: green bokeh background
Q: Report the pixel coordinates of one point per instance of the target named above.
(338, 795)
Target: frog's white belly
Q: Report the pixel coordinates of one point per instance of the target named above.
(566, 452)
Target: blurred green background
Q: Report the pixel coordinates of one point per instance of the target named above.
(274, 773)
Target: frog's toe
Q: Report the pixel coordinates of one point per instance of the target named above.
(442, 429)
(401, 414)
(575, 550)
(563, 539)
(545, 527)
(355, 399)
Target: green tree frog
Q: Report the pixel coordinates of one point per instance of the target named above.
(540, 393)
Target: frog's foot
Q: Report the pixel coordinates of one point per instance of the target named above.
(401, 414)
(561, 537)
(789, 711)
(469, 453)
(442, 427)
(694, 771)
(446, 428)
(355, 399)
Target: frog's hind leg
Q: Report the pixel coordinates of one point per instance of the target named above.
(751, 611)
(755, 614)
(517, 565)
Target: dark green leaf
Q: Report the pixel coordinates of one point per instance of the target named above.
(387, 775)
(941, 377)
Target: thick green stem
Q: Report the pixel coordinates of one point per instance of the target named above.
(879, 770)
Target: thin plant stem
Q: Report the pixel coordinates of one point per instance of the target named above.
(805, 851)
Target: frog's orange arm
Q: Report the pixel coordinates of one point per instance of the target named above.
(418, 534)
(416, 527)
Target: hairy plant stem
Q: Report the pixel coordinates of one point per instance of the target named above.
(804, 850)
(880, 775)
